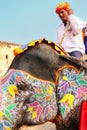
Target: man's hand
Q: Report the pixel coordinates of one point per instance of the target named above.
(70, 11)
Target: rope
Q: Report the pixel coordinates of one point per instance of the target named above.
(60, 44)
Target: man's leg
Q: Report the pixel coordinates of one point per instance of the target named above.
(76, 54)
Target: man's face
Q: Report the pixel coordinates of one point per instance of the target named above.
(63, 14)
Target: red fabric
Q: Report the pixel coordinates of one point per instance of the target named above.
(83, 117)
(61, 6)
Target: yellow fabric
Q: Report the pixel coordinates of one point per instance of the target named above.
(63, 5)
(33, 43)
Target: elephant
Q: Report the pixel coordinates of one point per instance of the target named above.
(41, 84)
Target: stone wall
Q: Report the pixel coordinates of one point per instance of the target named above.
(6, 55)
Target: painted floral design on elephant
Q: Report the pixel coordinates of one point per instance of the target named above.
(72, 89)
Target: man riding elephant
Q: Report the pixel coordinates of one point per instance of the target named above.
(69, 33)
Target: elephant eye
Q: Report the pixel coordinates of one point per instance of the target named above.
(22, 85)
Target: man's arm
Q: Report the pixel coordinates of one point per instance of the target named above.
(75, 22)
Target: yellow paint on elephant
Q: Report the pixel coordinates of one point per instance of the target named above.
(1, 113)
(65, 78)
(34, 114)
(50, 90)
(12, 89)
(68, 97)
(30, 109)
(8, 128)
(28, 76)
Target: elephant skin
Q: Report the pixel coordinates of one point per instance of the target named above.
(42, 85)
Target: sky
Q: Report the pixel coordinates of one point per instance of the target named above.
(23, 21)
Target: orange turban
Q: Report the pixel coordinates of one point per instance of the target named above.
(63, 5)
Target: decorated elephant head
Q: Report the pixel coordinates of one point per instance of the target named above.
(42, 84)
